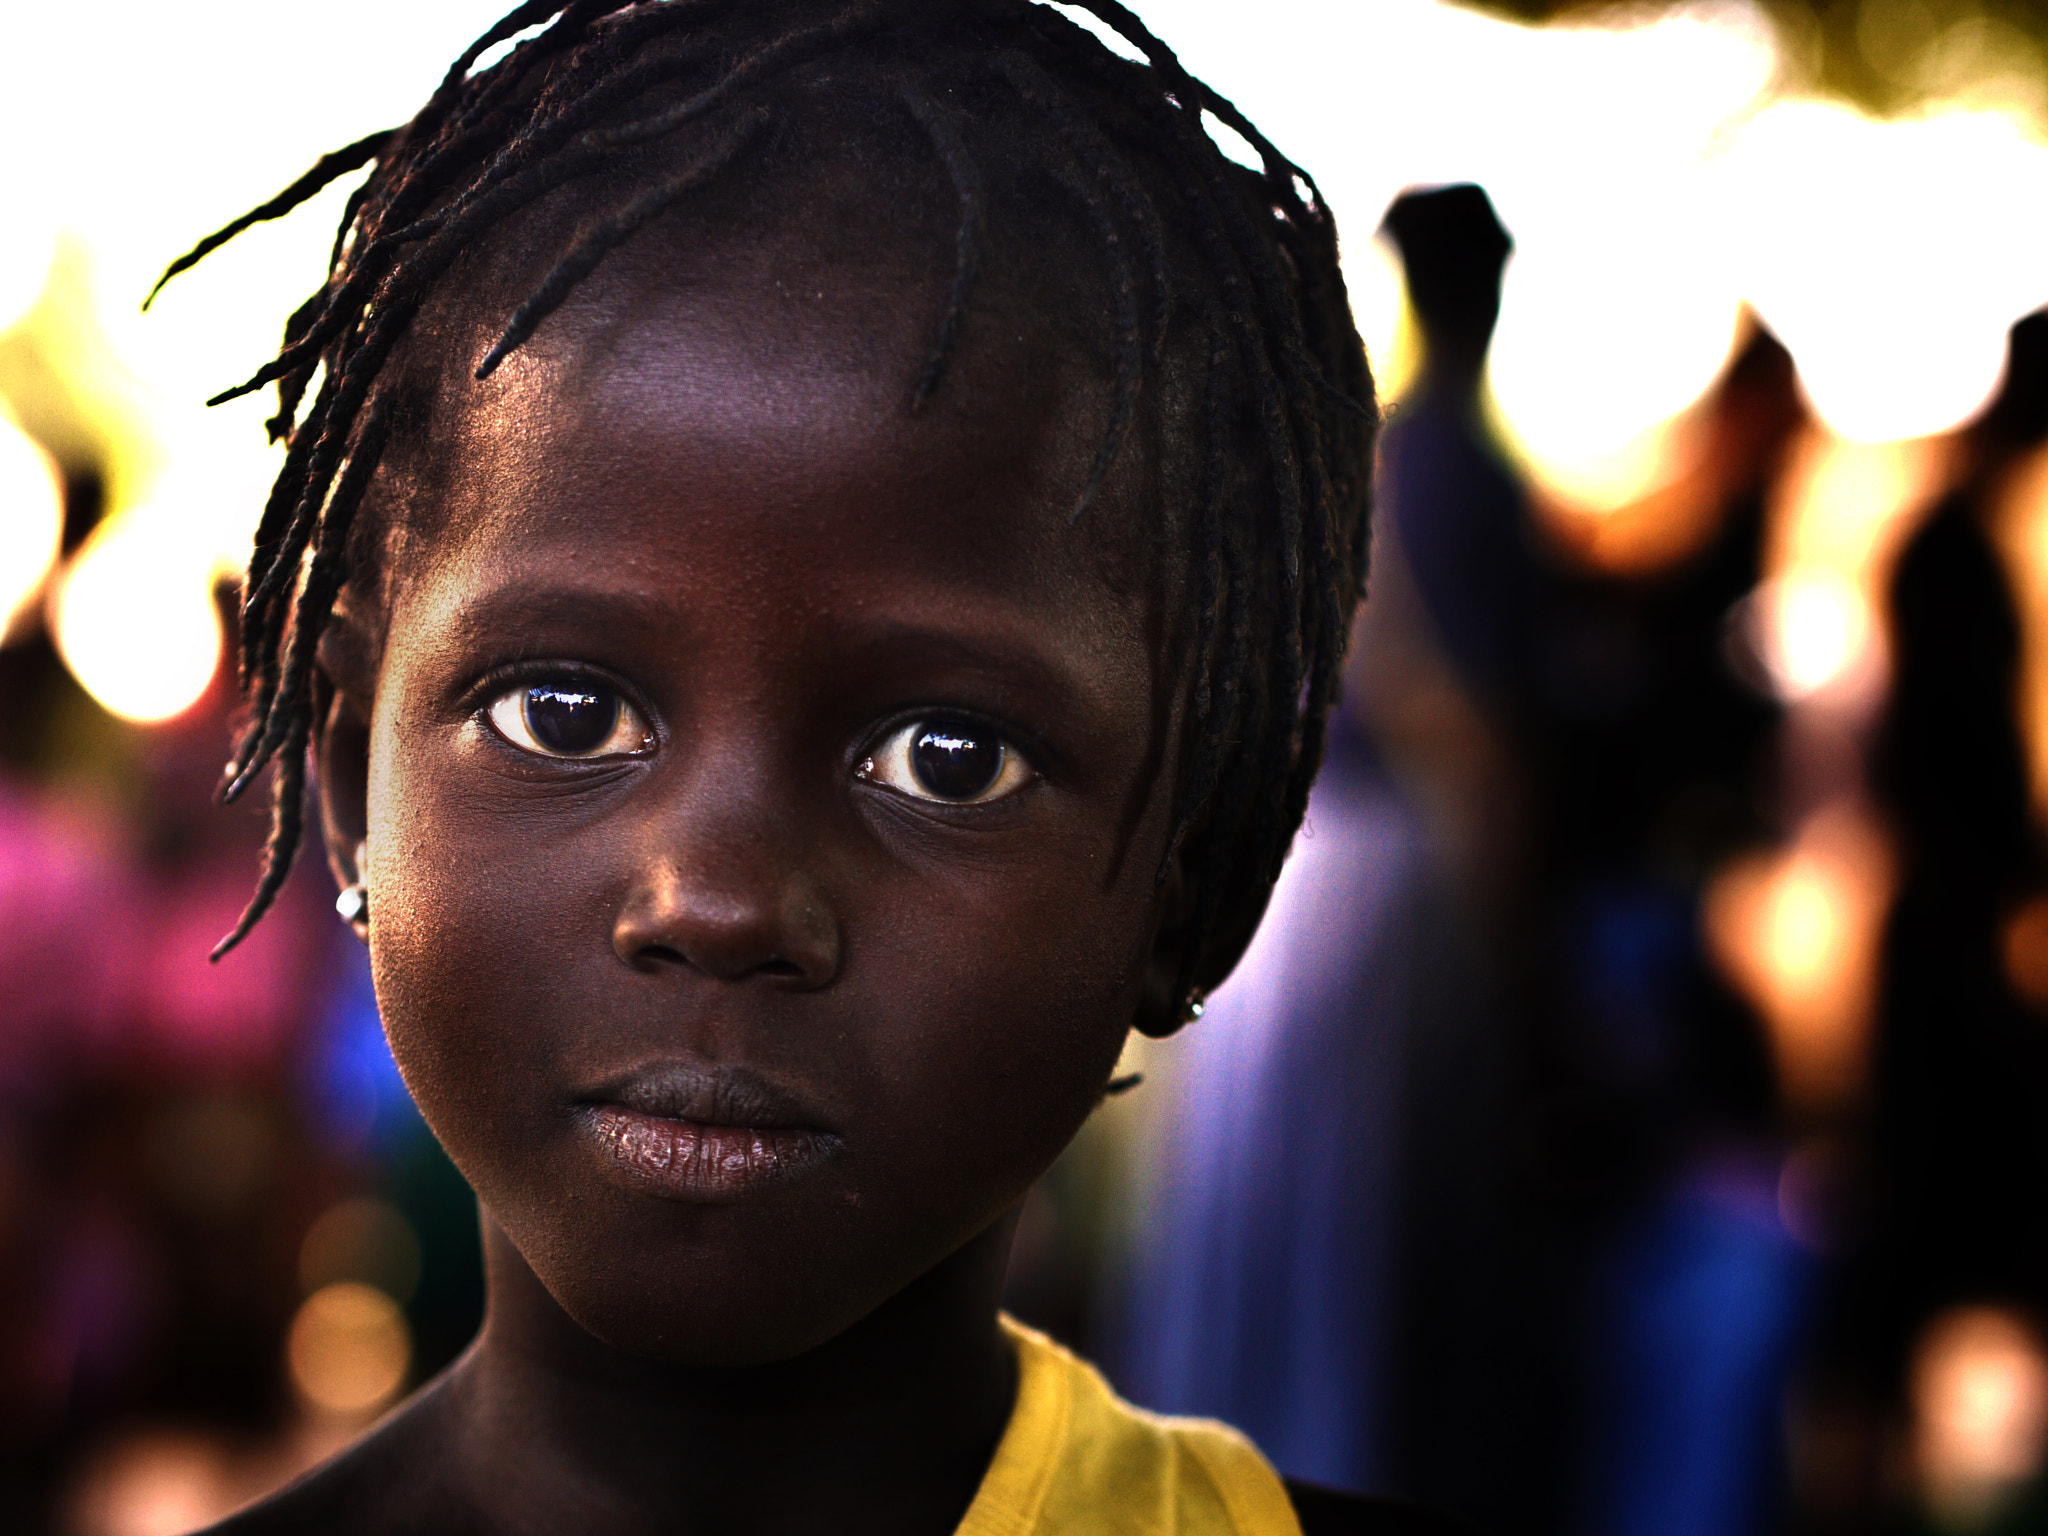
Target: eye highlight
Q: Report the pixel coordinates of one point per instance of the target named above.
(569, 718)
(953, 762)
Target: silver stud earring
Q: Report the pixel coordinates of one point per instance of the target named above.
(354, 901)
(1192, 1009)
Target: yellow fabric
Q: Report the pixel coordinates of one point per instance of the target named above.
(1077, 1460)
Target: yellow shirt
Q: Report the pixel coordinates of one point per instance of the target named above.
(1077, 1460)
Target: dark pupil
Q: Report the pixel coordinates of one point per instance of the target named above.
(955, 763)
(571, 720)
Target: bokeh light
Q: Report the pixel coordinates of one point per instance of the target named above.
(349, 1348)
(31, 520)
(1589, 408)
(124, 198)
(1839, 513)
(1890, 257)
(1379, 303)
(2024, 949)
(1797, 930)
(155, 1483)
(1980, 1414)
(2019, 524)
(134, 617)
(1846, 507)
(364, 1240)
(1808, 627)
(1619, 308)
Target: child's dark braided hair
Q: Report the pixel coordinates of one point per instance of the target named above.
(1278, 555)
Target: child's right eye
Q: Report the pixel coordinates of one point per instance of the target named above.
(954, 761)
(570, 718)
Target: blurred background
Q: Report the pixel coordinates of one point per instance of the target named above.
(1633, 1117)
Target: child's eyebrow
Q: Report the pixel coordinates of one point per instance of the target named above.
(997, 650)
(483, 618)
(1047, 667)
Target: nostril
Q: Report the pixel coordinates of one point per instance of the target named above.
(654, 955)
(657, 955)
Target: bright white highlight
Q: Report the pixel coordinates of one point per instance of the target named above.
(1807, 627)
(1593, 142)
(1980, 1411)
(1619, 308)
(1890, 257)
(134, 617)
(1379, 306)
(1657, 180)
(24, 263)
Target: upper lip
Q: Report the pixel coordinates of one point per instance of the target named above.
(708, 1095)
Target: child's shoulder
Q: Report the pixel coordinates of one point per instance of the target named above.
(1074, 1457)
(393, 1480)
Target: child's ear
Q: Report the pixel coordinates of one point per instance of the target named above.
(1162, 1009)
(341, 752)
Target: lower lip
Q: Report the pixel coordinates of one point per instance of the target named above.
(689, 1160)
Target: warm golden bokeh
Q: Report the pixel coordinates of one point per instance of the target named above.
(349, 1349)
(1839, 512)
(2024, 949)
(2020, 525)
(1980, 1414)
(1797, 930)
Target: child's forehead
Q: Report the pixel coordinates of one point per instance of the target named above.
(785, 322)
(760, 389)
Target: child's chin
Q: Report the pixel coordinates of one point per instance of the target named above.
(714, 1305)
(705, 1331)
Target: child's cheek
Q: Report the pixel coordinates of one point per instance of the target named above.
(441, 963)
(995, 1010)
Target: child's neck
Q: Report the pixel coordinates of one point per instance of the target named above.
(888, 1427)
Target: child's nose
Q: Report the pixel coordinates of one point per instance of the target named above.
(720, 893)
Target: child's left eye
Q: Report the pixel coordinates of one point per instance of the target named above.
(954, 762)
(578, 717)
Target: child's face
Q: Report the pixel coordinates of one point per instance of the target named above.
(894, 997)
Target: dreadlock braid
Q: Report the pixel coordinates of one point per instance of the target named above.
(944, 132)
(1031, 83)
(590, 249)
(1242, 261)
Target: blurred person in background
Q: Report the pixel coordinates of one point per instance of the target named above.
(1937, 1218)
(1550, 1222)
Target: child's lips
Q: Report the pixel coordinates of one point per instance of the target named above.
(681, 1131)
